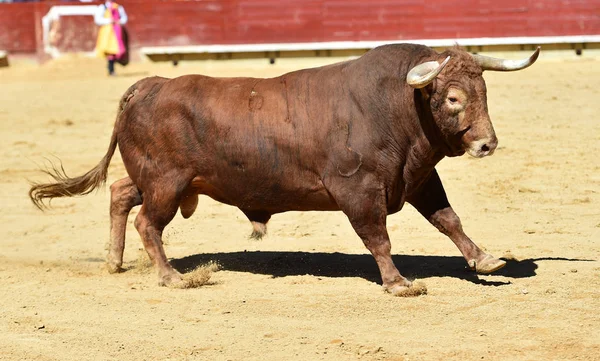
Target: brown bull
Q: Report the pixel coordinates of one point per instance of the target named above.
(361, 136)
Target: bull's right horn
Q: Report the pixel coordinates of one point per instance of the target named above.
(423, 74)
(489, 63)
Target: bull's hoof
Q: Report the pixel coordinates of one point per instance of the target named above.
(113, 264)
(487, 264)
(171, 279)
(114, 267)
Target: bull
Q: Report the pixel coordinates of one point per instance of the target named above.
(361, 136)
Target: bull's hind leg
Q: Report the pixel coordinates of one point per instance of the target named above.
(158, 209)
(124, 195)
(432, 203)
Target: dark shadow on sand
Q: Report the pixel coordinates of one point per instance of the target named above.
(281, 264)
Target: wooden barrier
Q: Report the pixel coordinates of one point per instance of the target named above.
(175, 54)
(156, 23)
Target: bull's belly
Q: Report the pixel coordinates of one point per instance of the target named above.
(270, 195)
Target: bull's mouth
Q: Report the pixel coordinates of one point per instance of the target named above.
(455, 149)
(458, 152)
(456, 145)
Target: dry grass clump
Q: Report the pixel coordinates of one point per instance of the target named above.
(143, 263)
(418, 288)
(509, 256)
(198, 277)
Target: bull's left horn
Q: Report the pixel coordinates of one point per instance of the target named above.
(421, 75)
(489, 63)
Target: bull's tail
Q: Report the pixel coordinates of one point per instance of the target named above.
(63, 185)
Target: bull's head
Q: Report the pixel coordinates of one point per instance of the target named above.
(458, 99)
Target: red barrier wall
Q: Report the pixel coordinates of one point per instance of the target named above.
(17, 28)
(155, 22)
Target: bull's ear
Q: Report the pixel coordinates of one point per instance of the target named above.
(423, 74)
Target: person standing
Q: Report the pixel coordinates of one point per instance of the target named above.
(111, 41)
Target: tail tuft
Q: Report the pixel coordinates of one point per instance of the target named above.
(64, 186)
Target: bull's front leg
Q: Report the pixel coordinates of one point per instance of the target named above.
(367, 212)
(432, 203)
(375, 237)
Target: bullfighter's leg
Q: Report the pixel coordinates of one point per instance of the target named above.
(367, 213)
(432, 203)
(124, 196)
(259, 221)
(157, 211)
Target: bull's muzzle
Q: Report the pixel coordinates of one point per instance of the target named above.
(482, 147)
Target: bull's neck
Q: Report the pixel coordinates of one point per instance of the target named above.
(425, 150)
(426, 143)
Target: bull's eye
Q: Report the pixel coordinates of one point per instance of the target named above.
(456, 99)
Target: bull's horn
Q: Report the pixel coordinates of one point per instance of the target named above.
(488, 63)
(421, 75)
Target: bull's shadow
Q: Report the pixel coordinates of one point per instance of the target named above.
(281, 264)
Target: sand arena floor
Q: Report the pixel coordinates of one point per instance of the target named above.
(309, 290)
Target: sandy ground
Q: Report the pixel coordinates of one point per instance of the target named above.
(309, 290)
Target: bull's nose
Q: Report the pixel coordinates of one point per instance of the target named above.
(482, 148)
(488, 148)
